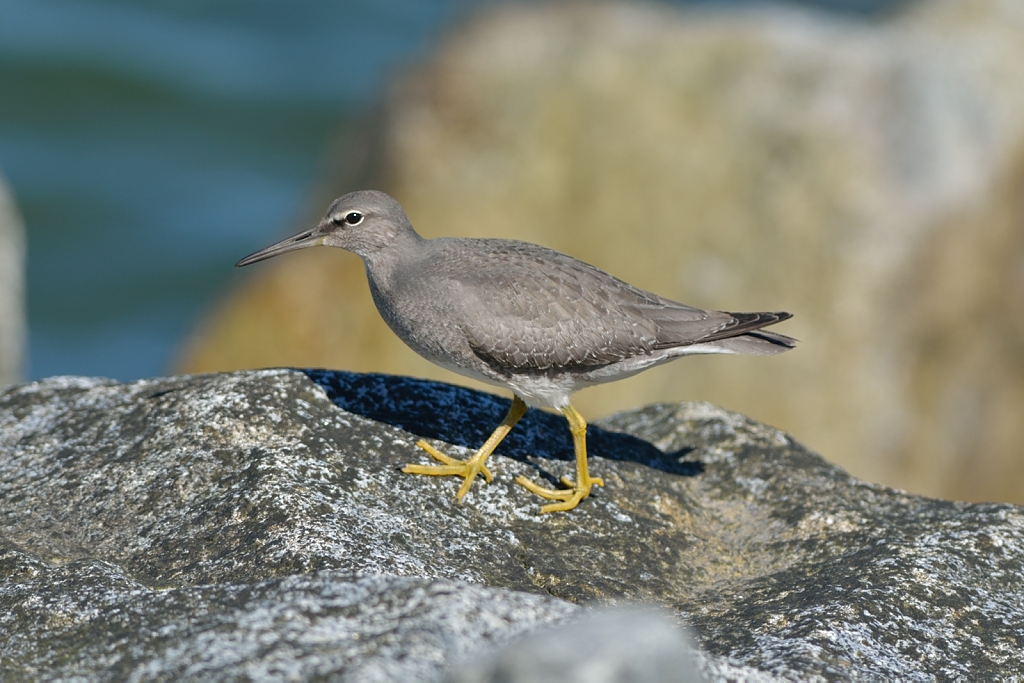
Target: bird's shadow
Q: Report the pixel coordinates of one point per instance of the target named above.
(467, 417)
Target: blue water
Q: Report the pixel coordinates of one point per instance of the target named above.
(151, 144)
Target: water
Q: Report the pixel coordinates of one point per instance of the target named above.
(151, 144)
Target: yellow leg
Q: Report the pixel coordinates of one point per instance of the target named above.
(572, 496)
(468, 469)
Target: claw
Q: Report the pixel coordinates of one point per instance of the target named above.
(468, 469)
(452, 466)
(576, 491)
(570, 497)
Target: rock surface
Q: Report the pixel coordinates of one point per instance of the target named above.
(159, 517)
(12, 290)
(864, 175)
(88, 619)
(606, 646)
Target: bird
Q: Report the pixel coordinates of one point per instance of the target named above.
(520, 316)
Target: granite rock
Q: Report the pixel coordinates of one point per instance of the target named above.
(173, 491)
(87, 619)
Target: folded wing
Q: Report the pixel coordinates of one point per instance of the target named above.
(569, 315)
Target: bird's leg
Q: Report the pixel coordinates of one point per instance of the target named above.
(572, 496)
(468, 469)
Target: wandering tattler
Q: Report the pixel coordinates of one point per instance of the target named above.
(519, 316)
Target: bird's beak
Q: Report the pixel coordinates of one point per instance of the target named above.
(307, 238)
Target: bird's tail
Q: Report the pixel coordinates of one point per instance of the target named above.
(757, 343)
(747, 337)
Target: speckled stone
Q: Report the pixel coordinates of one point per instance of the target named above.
(779, 562)
(87, 619)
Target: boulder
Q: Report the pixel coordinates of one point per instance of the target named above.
(257, 523)
(12, 290)
(863, 175)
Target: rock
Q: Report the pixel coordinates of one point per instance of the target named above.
(864, 175)
(12, 290)
(605, 646)
(89, 620)
(241, 495)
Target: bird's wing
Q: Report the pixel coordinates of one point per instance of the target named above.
(524, 307)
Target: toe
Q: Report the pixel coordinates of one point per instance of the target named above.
(550, 494)
(434, 470)
(436, 454)
(569, 498)
(565, 505)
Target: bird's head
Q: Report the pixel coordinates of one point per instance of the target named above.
(364, 222)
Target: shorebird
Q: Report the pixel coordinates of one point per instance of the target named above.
(520, 316)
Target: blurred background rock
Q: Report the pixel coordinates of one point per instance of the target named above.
(864, 171)
(12, 295)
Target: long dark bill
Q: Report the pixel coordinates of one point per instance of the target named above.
(308, 238)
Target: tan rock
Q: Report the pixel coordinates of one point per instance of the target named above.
(866, 177)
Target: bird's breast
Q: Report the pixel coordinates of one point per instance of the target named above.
(425, 315)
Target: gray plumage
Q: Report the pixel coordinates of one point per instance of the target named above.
(514, 314)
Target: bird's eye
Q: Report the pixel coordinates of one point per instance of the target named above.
(354, 218)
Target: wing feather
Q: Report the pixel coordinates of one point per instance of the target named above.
(525, 307)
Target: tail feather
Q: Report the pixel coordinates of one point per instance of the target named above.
(741, 333)
(745, 336)
(756, 343)
(747, 322)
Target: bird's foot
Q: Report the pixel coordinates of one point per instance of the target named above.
(570, 496)
(467, 469)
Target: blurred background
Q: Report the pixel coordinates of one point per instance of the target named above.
(859, 163)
